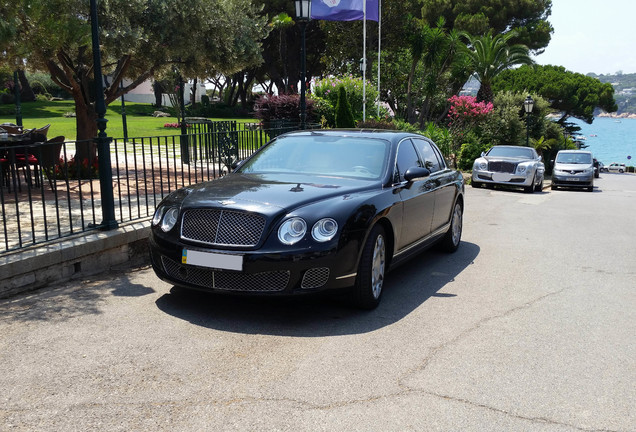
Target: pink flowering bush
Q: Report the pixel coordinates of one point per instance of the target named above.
(467, 111)
(465, 118)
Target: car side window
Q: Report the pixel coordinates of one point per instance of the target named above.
(431, 161)
(406, 158)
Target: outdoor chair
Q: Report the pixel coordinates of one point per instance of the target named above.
(45, 158)
(11, 128)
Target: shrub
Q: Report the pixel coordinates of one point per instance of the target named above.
(282, 107)
(470, 150)
(377, 124)
(328, 89)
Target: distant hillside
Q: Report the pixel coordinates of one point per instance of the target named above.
(624, 90)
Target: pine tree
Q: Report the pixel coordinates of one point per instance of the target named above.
(344, 113)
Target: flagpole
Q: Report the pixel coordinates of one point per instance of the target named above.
(379, 45)
(364, 61)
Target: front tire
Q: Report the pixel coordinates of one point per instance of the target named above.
(370, 279)
(450, 241)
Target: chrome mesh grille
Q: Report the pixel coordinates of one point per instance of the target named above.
(315, 278)
(224, 280)
(218, 227)
(502, 167)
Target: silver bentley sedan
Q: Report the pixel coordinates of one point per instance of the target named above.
(510, 166)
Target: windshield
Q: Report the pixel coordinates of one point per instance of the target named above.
(320, 155)
(517, 152)
(574, 158)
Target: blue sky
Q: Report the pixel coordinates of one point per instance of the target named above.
(592, 36)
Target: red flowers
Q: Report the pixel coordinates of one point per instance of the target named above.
(465, 109)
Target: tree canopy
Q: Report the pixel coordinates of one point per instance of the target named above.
(491, 55)
(527, 18)
(138, 39)
(572, 94)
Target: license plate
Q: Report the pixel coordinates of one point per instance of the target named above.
(212, 260)
(574, 179)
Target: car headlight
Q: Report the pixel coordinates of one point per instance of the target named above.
(480, 165)
(292, 231)
(156, 219)
(589, 171)
(522, 168)
(324, 230)
(169, 219)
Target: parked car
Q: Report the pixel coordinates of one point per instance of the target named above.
(511, 166)
(602, 167)
(573, 168)
(616, 167)
(597, 168)
(311, 211)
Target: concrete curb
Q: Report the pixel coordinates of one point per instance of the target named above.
(76, 257)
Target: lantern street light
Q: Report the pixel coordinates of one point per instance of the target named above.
(303, 15)
(528, 104)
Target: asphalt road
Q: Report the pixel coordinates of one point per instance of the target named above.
(530, 326)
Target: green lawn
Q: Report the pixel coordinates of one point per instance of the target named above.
(138, 118)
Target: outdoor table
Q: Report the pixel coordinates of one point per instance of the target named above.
(8, 145)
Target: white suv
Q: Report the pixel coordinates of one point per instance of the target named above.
(616, 167)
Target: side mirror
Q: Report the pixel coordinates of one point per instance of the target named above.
(415, 173)
(237, 164)
(483, 154)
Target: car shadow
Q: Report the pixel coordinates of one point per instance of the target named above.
(323, 314)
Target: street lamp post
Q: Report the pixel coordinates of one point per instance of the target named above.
(103, 141)
(303, 15)
(528, 104)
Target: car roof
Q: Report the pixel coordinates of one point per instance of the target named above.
(389, 135)
(575, 151)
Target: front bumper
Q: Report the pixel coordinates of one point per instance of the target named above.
(491, 177)
(573, 180)
(263, 272)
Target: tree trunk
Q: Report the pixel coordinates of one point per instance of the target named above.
(86, 130)
(193, 92)
(158, 90)
(26, 94)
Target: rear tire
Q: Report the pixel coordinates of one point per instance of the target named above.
(452, 238)
(370, 279)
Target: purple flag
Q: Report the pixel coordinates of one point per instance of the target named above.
(344, 10)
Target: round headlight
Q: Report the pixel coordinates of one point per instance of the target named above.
(292, 230)
(156, 219)
(324, 230)
(483, 166)
(170, 219)
(522, 168)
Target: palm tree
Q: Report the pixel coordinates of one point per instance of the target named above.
(491, 55)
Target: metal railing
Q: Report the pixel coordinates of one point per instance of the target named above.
(53, 199)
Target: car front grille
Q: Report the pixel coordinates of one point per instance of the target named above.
(226, 280)
(502, 167)
(315, 278)
(217, 227)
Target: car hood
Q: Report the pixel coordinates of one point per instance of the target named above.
(269, 194)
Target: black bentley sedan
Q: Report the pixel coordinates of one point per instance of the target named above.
(310, 211)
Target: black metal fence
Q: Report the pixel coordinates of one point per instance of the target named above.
(48, 193)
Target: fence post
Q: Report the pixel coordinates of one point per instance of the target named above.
(185, 144)
(102, 140)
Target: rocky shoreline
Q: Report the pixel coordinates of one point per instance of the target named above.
(617, 116)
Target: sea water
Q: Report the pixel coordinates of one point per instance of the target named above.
(610, 140)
